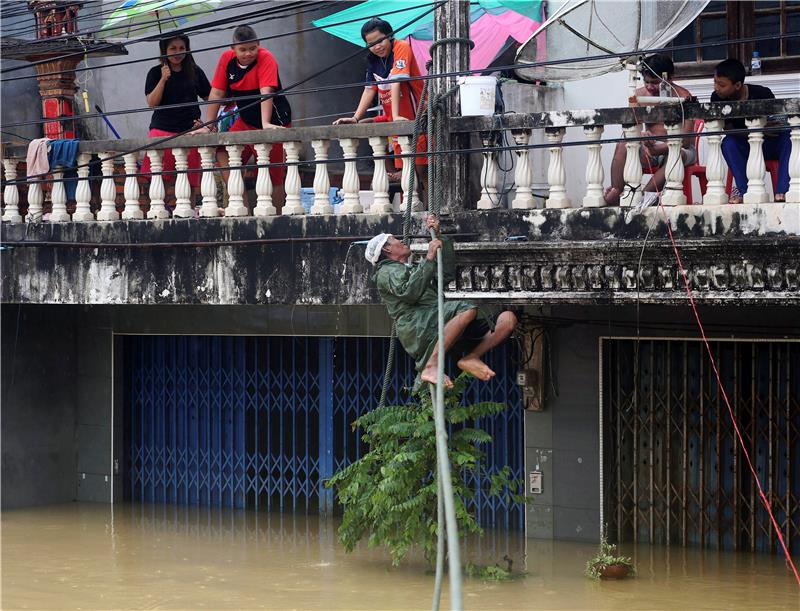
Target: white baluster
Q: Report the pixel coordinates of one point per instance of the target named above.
(208, 186)
(322, 183)
(350, 182)
(158, 209)
(756, 189)
(672, 194)
(380, 179)
(264, 206)
(83, 192)
(293, 186)
(490, 197)
(11, 193)
(58, 197)
(556, 174)
(236, 205)
(183, 190)
(108, 190)
(405, 178)
(793, 194)
(594, 168)
(523, 173)
(132, 209)
(632, 171)
(715, 166)
(35, 201)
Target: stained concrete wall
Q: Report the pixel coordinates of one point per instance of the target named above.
(39, 405)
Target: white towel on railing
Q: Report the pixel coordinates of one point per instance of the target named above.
(37, 157)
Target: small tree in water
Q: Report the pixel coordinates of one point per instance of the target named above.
(389, 495)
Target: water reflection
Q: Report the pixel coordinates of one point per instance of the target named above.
(77, 556)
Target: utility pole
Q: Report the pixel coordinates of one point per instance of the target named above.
(452, 21)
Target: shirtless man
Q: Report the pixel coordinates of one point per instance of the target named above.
(653, 153)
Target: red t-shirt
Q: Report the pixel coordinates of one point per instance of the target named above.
(400, 63)
(237, 81)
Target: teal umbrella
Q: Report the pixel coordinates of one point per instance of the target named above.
(492, 24)
(138, 17)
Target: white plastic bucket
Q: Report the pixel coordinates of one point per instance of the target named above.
(477, 95)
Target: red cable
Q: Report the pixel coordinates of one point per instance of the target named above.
(719, 380)
(725, 396)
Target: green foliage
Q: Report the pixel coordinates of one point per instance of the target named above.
(606, 556)
(389, 495)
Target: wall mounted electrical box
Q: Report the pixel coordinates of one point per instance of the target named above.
(535, 482)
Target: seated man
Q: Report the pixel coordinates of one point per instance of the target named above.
(653, 153)
(410, 294)
(729, 87)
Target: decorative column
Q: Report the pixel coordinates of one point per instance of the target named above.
(756, 189)
(350, 182)
(556, 174)
(157, 210)
(594, 168)
(672, 194)
(132, 209)
(715, 166)
(523, 176)
(236, 205)
(208, 186)
(83, 192)
(264, 206)
(183, 190)
(793, 194)
(35, 200)
(380, 179)
(490, 198)
(293, 203)
(58, 197)
(632, 171)
(108, 190)
(405, 178)
(11, 192)
(322, 183)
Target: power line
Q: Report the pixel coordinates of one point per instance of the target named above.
(190, 30)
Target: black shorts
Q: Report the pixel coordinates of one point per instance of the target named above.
(472, 336)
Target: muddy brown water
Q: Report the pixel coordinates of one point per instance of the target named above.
(83, 556)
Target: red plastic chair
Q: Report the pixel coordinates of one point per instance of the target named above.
(772, 168)
(695, 169)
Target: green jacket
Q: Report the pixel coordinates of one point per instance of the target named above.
(410, 295)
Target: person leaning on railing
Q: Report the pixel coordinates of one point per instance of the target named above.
(729, 86)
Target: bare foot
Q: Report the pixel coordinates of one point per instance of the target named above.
(611, 195)
(476, 367)
(780, 197)
(735, 196)
(430, 376)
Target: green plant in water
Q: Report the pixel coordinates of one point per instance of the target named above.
(606, 556)
(389, 495)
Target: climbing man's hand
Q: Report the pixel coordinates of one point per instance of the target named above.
(433, 246)
(433, 223)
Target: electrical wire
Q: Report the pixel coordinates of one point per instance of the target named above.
(199, 29)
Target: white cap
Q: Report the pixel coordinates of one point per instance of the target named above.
(374, 247)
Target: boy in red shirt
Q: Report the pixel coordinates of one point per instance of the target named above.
(248, 69)
(391, 59)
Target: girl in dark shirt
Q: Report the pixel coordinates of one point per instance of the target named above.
(176, 80)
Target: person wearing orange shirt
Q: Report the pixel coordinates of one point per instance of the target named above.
(389, 62)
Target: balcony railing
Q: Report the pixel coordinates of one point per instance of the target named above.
(592, 123)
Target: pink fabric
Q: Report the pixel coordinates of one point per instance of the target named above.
(489, 33)
(36, 159)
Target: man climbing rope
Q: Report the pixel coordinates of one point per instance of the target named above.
(409, 292)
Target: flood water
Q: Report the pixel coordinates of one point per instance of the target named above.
(81, 556)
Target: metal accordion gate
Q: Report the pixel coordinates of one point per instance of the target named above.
(261, 421)
(676, 472)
